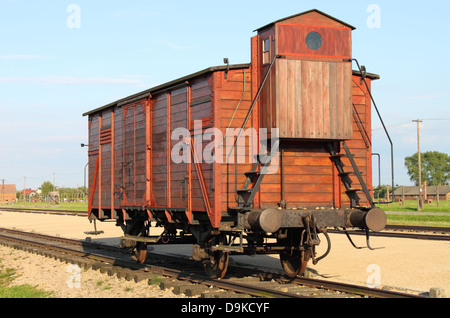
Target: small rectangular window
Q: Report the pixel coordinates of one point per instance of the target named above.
(266, 51)
(266, 45)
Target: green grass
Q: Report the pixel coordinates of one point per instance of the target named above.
(70, 206)
(7, 276)
(411, 206)
(418, 218)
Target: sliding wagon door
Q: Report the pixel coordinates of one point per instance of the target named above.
(134, 146)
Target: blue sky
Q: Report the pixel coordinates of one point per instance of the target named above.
(50, 73)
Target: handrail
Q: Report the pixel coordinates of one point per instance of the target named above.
(384, 127)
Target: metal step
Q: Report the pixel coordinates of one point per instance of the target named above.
(252, 174)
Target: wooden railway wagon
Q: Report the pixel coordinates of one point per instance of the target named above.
(250, 158)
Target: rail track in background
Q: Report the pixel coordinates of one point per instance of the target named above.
(185, 276)
(394, 231)
(46, 211)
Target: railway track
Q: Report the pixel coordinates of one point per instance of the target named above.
(46, 211)
(409, 232)
(184, 275)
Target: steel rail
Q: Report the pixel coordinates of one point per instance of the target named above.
(173, 273)
(354, 289)
(417, 236)
(182, 275)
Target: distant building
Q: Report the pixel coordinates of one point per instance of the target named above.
(7, 193)
(28, 193)
(53, 196)
(429, 192)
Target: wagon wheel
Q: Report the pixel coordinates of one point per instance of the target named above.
(138, 228)
(293, 263)
(139, 253)
(293, 260)
(217, 265)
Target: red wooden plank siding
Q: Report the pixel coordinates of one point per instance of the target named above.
(232, 90)
(178, 172)
(308, 178)
(335, 41)
(201, 109)
(134, 153)
(159, 137)
(313, 99)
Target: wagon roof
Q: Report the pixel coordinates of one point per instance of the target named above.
(303, 13)
(168, 85)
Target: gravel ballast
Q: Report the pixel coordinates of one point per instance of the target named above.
(69, 281)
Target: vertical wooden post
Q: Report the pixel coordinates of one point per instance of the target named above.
(189, 163)
(255, 59)
(94, 183)
(148, 151)
(217, 167)
(99, 158)
(387, 195)
(113, 146)
(403, 196)
(420, 206)
(437, 194)
(168, 160)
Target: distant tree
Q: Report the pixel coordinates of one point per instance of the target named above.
(435, 167)
(47, 187)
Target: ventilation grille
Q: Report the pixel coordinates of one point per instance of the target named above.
(105, 136)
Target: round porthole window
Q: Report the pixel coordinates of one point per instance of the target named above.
(314, 41)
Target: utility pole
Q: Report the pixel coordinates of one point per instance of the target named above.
(420, 206)
(3, 191)
(24, 189)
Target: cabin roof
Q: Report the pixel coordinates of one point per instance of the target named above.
(304, 13)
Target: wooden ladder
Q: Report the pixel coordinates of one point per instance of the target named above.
(345, 176)
(255, 177)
